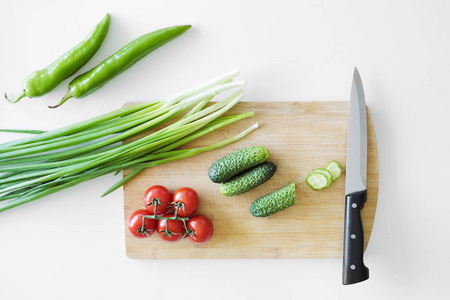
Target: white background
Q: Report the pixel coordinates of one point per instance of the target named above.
(71, 245)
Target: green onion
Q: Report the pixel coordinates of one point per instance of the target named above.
(22, 131)
(48, 162)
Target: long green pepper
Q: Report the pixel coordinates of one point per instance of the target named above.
(120, 61)
(45, 80)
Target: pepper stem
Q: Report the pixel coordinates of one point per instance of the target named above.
(64, 99)
(24, 94)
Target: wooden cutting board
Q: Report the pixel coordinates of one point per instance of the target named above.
(301, 136)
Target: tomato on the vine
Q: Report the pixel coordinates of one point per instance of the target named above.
(173, 232)
(136, 227)
(200, 229)
(186, 200)
(160, 195)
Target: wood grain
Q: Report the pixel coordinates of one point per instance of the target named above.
(301, 136)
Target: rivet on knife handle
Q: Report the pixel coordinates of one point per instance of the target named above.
(354, 270)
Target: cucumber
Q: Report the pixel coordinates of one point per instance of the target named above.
(274, 202)
(326, 173)
(335, 170)
(248, 180)
(237, 162)
(317, 181)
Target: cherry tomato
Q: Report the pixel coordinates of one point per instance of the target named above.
(157, 193)
(135, 224)
(175, 227)
(202, 229)
(186, 200)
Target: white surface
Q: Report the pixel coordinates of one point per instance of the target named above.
(71, 245)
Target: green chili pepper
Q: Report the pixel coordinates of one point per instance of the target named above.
(43, 81)
(131, 53)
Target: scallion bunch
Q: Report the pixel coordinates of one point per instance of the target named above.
(48, 162)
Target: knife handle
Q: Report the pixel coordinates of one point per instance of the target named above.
(354, 270)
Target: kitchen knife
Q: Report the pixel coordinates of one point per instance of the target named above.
(354, 270)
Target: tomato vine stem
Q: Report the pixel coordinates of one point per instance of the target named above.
(155, 202)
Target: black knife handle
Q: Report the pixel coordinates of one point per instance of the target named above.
(354, 270)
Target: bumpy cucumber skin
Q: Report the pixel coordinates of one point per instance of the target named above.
(274, 202)
(249, 180)
(237, 162)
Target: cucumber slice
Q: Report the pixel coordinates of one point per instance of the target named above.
(317, 181)
(335, 169)
(326, 173)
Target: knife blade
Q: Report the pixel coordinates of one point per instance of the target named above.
(354, 270)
